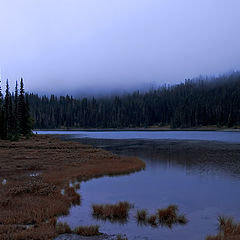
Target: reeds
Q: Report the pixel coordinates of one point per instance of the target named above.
(120, 237)
(165, 216)
(228, 229)
(141, 215)
(117, 211)
(62, 228)
(152, 220)
(92, 230)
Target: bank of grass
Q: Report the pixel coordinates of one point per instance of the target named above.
(228, 229)
(30, 203)
(114, 212)
(92, 230)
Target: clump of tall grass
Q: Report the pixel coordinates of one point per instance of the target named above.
(92, 230)
(111, 211)
(169, 216)
(120, 237)
(62, 228)
(141, 215)
(152, 220)
(228, 229)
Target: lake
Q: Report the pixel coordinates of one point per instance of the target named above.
(198, 171)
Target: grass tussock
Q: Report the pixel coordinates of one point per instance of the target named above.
(62, 228)
(228, 229)
(152, 220)
(120, 237)
(169, 216)
(165, 216)
(141, 215)
(111, 211)
(92, 230)
(33, 201)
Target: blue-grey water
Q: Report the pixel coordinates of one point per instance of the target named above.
(198, 171)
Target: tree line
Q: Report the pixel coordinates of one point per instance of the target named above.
(194, 103)
(15, 119)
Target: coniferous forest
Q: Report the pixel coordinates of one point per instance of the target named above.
(15, 119)
(195, 103)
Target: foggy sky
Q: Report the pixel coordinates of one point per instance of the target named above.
(66, 45)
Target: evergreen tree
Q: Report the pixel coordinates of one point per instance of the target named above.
(1, 114)
(6, 112)
(16, 113)
(22, 109)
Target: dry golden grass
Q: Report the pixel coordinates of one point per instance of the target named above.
(31, 199)
(117, 211)
(228, 230)
(92, 230)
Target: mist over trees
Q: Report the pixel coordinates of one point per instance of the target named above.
(195, 103)
(15, 117)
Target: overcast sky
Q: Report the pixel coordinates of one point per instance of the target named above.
(65, 45)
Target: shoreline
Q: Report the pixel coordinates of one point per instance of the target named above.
(148, 129)
(35, 176)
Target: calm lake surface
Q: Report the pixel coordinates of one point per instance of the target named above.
(198, 171)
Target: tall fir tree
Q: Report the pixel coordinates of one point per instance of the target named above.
(1, 113)
(16, 114)
(6, 112)
(21, 108)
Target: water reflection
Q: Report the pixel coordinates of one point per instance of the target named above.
(201, 177)
(204, 158)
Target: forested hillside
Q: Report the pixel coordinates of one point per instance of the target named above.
(194, 103)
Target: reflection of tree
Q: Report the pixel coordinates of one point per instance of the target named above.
(195, 157)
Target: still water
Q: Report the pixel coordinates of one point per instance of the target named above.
(198, 171)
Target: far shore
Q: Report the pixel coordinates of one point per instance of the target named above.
(150, 129)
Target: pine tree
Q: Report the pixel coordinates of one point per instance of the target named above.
(6, 112)
(16, 114)
(25, 122)
(1, 113)
(21, 108)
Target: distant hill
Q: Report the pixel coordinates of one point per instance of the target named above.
(194, 103)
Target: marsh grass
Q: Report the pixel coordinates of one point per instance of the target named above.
(152, 220)
(92, 230)
(118, 211)
(62, 228)
(141, 216)
(120, 237)
(25, 200)
(228, 229)
(169, 216)
(73, 195)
